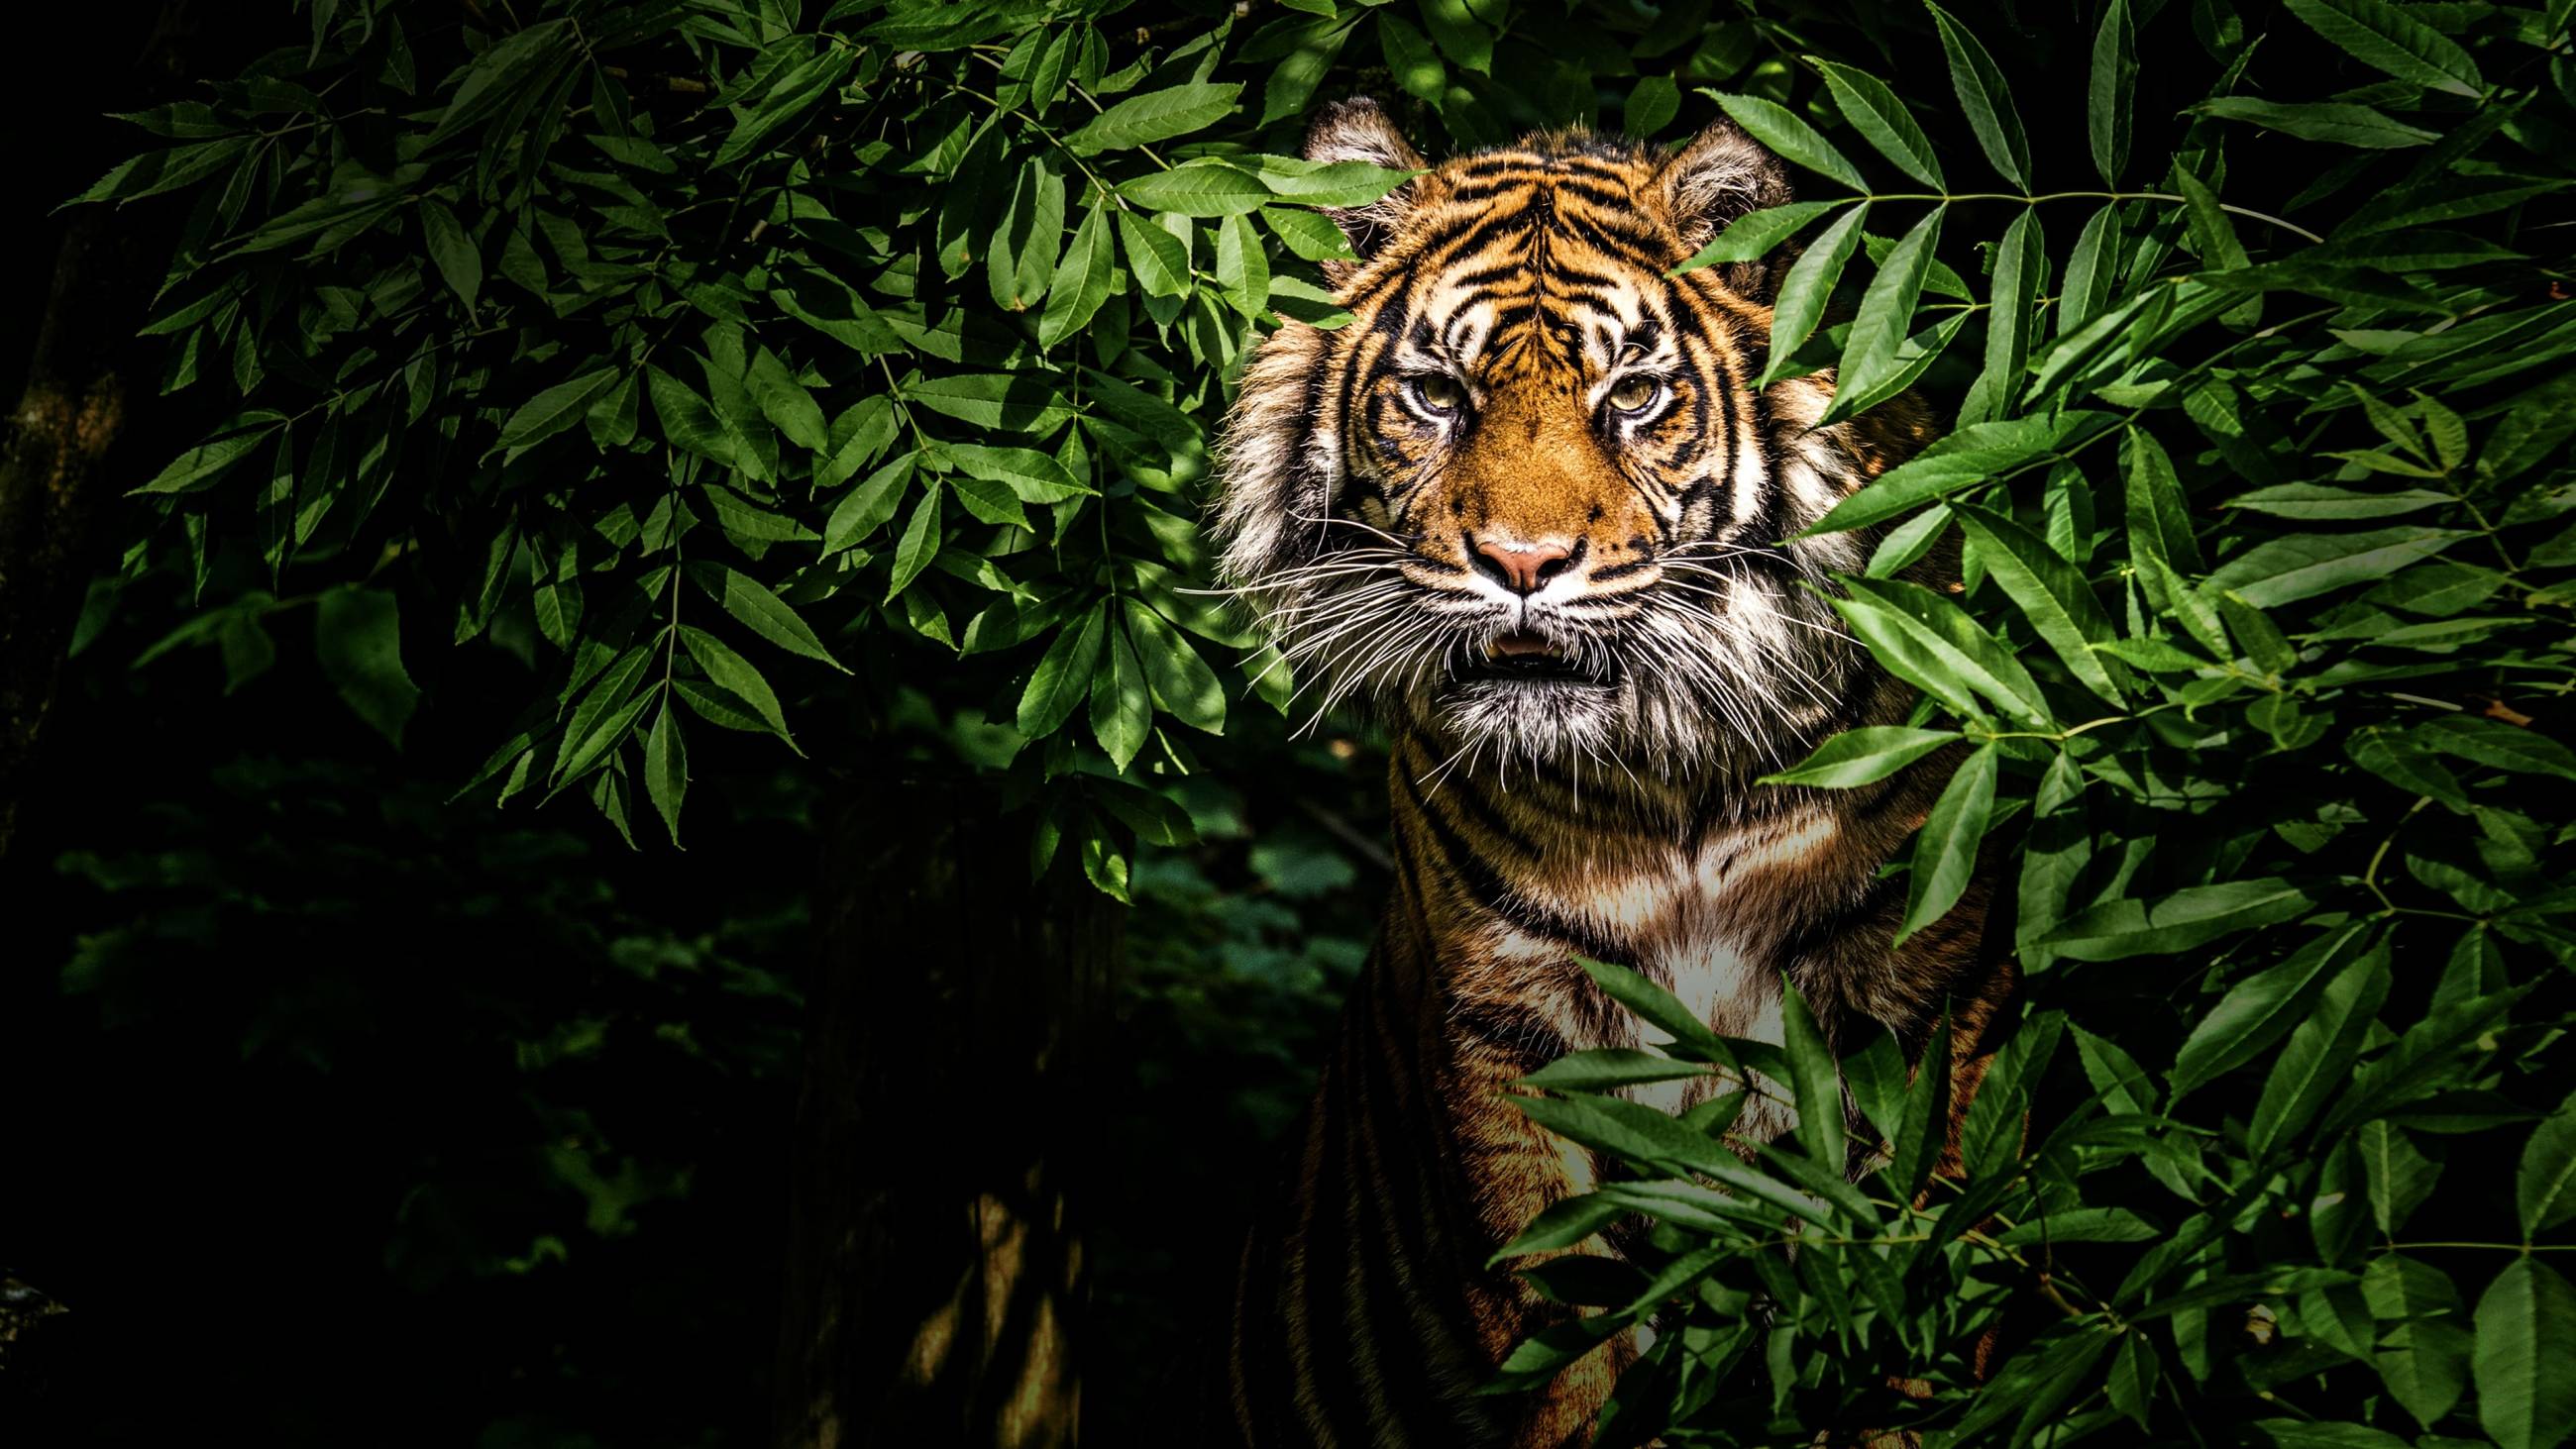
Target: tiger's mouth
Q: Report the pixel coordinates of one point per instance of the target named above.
(1522, 657)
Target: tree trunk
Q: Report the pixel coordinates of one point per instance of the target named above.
(935, 1277)
(84, 375)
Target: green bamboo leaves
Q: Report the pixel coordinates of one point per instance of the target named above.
(1985, 100)
(2526, 1357)
(2050, 594)
(1873, 357)
(1807, 288)
(2111, 97)
(1945, 851)
(1779, 128)
(1882, 120)
(2386, 37)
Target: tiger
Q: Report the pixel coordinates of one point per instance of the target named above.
(1528, 504)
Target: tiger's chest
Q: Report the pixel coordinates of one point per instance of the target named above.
(1711, 920)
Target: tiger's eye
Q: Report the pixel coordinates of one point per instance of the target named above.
(1439, 393)
(1636, 394)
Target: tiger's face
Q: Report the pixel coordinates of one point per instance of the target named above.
(1529, 498)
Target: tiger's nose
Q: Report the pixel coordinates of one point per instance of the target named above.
(1522, 567)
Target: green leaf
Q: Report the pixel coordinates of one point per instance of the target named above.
(1861, 757)
(1652, 106)
(155, 172)
(1031, 475)
(1886, 315)
(1182, 682)
(2320, 1052)
(1792, 139)
(735, 674)
(763, 612)
(666, 768)
(2110, 98)
(993, 400)
(2407, 765)
(869, 506)
(1755, 235)
(1294, 80)
(1653, 1005)
(1022, 258)
(687, 421)
(451, 251)
(1812, 1076)
(2545, 1188)
(2425, 1363)
(1309, 234)
(2323, 1434)
(2193, 916)
(1207, 188)
(1063, 677)
(1932, 643)
(989, 501)
(614, 417)
(1083, 278)
(1155, 116)
(604, 718)
(1122, 710)
(2213, 236)
(1609, 1068)
(2012, 317)
(204, 463)
(557, 408)
(1974, 454)
(1806, 290)
(1454, 26)
(2259, 1010)
(1882, 120)
(796, 91)
(2525, 1362)
(2400, 1177)
(1945, 852)
(357, 636)
(1562, 1225)
(2532, 427)
(1410, 58)
(2324, 503)
(2334, 122)
(2049, 593)
(2497, 745)
(2090, 271)
(1985, 100)
(920, 542)
(1243, 268)
(1160, 262)
(2385, 37)
(1642, 1134)
(786, 403)
(2302, 565)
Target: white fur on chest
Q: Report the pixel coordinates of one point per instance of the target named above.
(1703, 921)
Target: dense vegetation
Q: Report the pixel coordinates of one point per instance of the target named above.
(669, 403)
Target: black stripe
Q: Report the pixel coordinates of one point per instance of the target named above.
(1487, 889)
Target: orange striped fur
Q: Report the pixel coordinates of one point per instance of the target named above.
(1528, 506)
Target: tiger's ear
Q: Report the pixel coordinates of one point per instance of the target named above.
(1359, 130)
(1721, 175)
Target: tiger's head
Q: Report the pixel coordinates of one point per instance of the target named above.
(1529, 497)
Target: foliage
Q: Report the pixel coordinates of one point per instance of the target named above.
(544, 318)
(700, 351)
(2266, 569)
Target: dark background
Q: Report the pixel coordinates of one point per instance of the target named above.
(333, 1112)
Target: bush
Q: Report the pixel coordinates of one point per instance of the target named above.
(694, 351)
